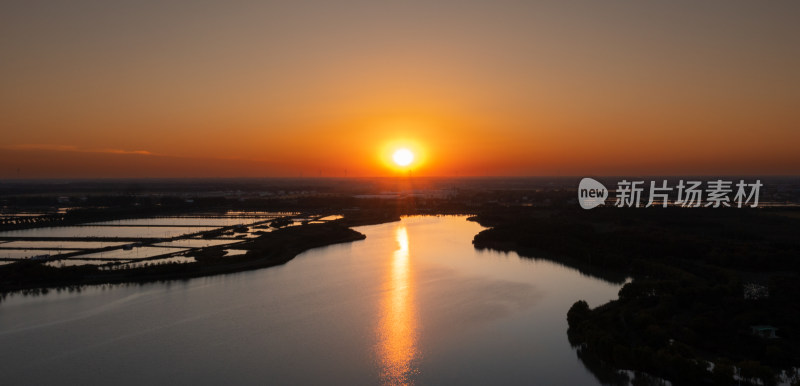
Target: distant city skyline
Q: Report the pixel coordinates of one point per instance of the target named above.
(274, 89)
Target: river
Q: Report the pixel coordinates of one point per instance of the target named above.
(414, 303)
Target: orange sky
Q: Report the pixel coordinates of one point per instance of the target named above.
(247, 88)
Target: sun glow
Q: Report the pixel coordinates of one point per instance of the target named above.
(403, 157)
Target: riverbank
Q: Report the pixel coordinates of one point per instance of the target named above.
(702, 279)
(270, 249)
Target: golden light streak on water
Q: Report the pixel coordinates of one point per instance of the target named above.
(397, 329)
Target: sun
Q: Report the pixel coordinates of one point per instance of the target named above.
(403, 157)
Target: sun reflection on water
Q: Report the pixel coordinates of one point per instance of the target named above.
(397, 328)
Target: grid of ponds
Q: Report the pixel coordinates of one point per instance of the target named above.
(88, 231)
(182, 221)
(142, 241)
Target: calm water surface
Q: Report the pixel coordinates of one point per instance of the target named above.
(413, 303)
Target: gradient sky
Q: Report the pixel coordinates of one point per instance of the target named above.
(256, 88)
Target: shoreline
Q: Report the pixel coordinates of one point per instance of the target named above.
(269, 250)
(687, 304)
